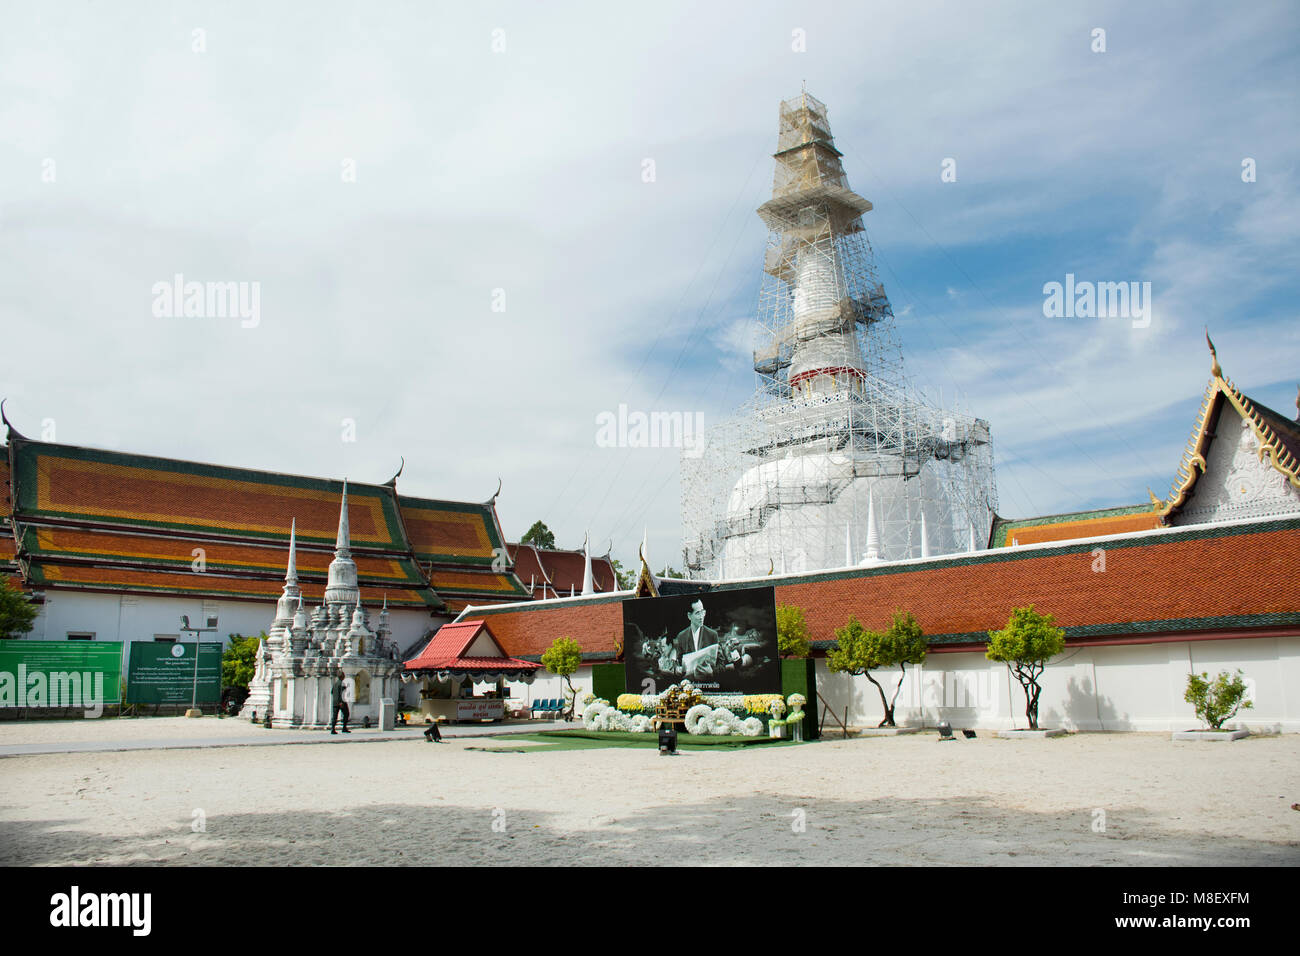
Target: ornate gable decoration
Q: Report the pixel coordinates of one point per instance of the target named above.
(1267, 444)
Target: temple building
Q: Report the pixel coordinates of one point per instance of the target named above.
(115, 546)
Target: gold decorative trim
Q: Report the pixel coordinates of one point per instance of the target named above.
(1193, 464)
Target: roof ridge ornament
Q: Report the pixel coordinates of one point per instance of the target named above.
(5, 419)
(1215, 369)
(392, 482)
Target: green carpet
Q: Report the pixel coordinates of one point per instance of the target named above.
(589, 739)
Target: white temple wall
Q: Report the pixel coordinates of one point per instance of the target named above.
(131, 617)
(1133, 687)
(548, 686)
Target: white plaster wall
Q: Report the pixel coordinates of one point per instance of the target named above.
(1135, 687)
(548, 686)
(114, 617)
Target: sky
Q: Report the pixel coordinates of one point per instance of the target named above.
(462, 260)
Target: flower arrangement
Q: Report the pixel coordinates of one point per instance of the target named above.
(632, 702)
(760, 703)
(720, 722)
(681, 696)
(600, 716)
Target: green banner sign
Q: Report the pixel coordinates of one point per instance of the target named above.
(81, 674)
(163, 673)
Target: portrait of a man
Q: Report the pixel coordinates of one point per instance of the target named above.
(697, 644)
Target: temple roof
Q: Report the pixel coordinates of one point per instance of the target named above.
(102, 520)
(552, 572)
(1155, 583)
(1077, 524)
(465, 646)
(1278, 437)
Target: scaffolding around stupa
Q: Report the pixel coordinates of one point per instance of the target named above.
(835, 460)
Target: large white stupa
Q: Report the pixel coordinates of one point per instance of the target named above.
(835, 461)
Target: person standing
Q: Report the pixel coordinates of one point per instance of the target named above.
(338, 698)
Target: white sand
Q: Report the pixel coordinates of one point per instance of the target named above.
(900, 800)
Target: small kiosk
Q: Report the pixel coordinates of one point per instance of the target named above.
(459, 656)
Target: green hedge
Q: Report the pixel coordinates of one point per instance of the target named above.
(608, 681)
(799, 676)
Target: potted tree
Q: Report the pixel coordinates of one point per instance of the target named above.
(1215, 701)
(1025, 645)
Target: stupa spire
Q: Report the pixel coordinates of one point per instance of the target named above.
(291, 573)
(343, 543)
(341, 587)
(873, 536)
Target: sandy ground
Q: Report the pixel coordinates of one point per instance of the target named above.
(1126, 799)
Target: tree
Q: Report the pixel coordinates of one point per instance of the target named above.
(1025, 645)
(564, 657)
(671, 572)
(622, 579)
(16, 614)
(859, 651)
(239, 660)
(791, 631)
(1219, 699)
(539, 536)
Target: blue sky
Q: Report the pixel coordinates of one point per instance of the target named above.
(521, 169)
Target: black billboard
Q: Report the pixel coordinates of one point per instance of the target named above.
(723, 642)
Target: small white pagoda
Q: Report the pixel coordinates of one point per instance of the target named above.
(297, 661)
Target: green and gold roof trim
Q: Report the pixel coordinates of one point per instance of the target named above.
(1263, 425)
(1003, 526)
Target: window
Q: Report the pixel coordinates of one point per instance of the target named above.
(81, 635)
(166, 638)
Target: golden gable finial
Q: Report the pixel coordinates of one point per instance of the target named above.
(1215, 370)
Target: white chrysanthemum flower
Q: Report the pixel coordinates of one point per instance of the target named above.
(695, 718)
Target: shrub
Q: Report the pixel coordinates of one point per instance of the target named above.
(1217, 700)
(791, 631)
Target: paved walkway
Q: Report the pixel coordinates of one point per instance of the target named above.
(261, 737)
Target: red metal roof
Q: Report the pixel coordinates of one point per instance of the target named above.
(554, 573)
(446, 649)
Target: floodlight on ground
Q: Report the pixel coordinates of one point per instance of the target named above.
(945, 731)
(667, 741)
(968, 734)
